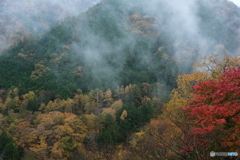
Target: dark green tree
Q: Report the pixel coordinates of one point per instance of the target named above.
(33, 105)
(107, 136)
(4, 140)
(11, 152)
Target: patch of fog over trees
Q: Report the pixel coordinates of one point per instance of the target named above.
(189, 26)
(24, 18)
(191, 23)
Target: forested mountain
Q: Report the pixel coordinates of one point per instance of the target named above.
(24, 18)
(98, 84)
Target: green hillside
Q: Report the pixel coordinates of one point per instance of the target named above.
(129, 43)
(63, 50)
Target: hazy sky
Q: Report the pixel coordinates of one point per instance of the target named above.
(237, 2)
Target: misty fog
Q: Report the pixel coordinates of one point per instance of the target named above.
(106, 37)
(183, 25)
(23, 18)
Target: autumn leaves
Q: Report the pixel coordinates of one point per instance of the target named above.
(202, 115)
(210, 100)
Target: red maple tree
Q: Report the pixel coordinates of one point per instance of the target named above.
(215, 112)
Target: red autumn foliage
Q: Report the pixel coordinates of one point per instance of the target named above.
(216, 109)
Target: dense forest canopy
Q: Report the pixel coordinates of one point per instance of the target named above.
(122, 80)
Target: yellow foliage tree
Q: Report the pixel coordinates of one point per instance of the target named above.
(30, 96)
(78, 107)
(124, 114)
(59, 105)
(52, 135)
(2, 106)
(117, 105)
(215, 64)
(90, 121)
(40, 69)
(108, 100)
(12, 100)
(109, 111)
(160, 139)
(208, 68)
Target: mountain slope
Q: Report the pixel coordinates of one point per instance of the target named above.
(118, 43)
(97, 85)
